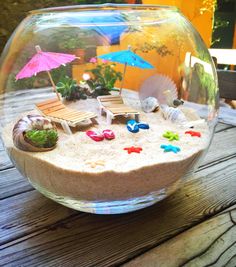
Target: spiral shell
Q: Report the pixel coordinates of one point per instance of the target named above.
(150, 104)
(175, 115)
(30, 122)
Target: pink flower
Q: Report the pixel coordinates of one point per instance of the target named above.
(93, 60)
(104, 61)
(86, 76)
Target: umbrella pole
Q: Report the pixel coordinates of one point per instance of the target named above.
(123, 78)
(53, 85)
(38, 49)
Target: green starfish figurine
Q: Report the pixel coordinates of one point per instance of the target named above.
(171, 136)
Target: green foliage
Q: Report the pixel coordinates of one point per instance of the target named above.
(69, 89)
(207, 85)
(70, 38)
(42, 138)
(69, 42)
(61, 72)
(104, 79)
(161, 49)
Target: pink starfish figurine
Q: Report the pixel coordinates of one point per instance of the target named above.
(133, 149)
(193, 133)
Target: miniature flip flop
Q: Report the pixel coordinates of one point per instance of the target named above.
(143, 125)
(96, 136)
(132, 126)
(108, 134)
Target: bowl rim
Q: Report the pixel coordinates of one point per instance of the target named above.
(108, 6)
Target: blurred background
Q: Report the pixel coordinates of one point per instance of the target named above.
(214, 19)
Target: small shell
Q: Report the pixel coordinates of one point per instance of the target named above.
(150, 104)
(175, 115)
(161, 87)
(178, 102)
(30, 122)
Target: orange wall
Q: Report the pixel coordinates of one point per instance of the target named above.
(191, 9)
(169, 65)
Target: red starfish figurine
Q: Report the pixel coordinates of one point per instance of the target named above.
(193, 133)
(133, 149)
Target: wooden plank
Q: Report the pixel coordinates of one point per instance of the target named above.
(52, 109)
(109, 98)
(218, 149)
(111, 103)
(12, 183)
(222, 126)
(212, 243)
(62, 112)
(5, 162)
(227, 83)
(122, 109)
(47, 102)
(1, 143)
(51, 105)
(28, 212)
(92, 240)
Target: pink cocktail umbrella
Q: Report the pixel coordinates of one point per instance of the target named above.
(44, 61)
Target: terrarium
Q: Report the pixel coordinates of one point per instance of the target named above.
(106, 109)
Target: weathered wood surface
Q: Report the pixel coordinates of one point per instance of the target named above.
(5, 162)
(211, 243)
(92, 240)
(12, 183)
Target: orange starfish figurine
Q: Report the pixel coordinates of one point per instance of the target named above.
(193, 133)
(133, 149)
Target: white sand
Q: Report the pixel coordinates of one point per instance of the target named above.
(66, 170)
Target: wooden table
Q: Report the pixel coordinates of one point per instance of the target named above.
(196, 226)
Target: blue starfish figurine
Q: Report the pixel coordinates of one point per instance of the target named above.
(170, 148)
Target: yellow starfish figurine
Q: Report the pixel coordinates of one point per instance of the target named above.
(171, 136)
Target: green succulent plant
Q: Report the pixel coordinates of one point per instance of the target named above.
(42, 138)
(69, 89)
(104, 79)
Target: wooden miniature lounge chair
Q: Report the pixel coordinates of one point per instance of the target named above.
(55, 110)
(114, 106)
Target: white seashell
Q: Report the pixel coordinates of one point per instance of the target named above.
(160, 87)
(30, 122)
(174, 115)
(150, 104)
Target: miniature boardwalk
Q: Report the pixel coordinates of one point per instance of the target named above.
(67, 117)
(114, 106)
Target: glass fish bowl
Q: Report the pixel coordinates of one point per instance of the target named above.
(107, 108)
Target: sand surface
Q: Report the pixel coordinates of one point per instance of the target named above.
(69, 169)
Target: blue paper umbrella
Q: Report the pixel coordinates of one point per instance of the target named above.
(128, 58)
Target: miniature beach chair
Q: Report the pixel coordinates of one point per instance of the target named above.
(114, 106)
(55, 110)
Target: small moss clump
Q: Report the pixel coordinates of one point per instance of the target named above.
(42, 138)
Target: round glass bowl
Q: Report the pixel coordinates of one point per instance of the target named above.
(130, 91)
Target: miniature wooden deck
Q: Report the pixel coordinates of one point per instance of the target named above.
(58, 112)
(196, 226)
(114, 106)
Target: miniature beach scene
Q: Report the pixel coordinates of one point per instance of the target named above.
(113, 126)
